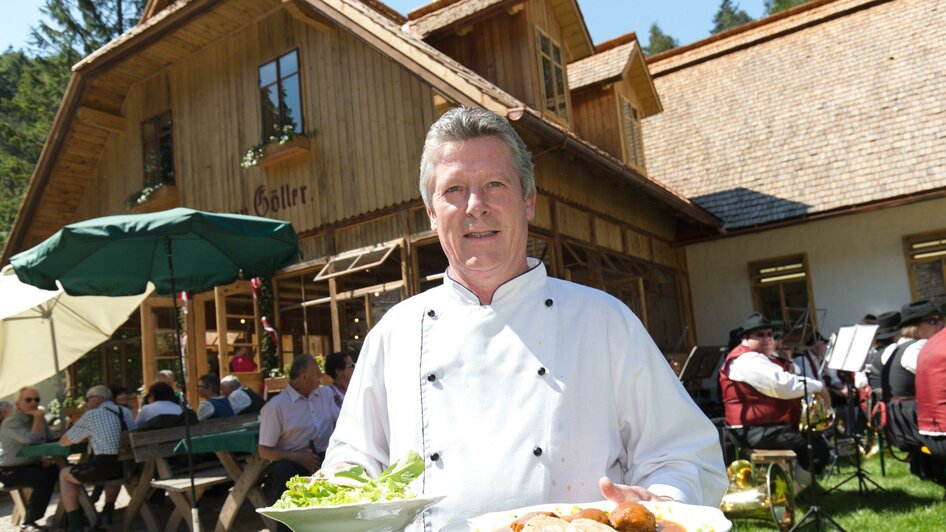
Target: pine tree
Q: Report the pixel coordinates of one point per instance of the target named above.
(32, 86)
(774, 6)
(729, 16)
(84, 25)
(659, 41)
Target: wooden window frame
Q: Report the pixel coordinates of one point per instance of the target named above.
(539, 34)
(279, 81)
(154, 123)
(633, 156)
(921, 248)
(777, 270)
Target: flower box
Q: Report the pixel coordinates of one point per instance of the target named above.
(163, 198)
(277, 153)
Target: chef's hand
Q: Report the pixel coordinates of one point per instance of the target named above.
(619, 493)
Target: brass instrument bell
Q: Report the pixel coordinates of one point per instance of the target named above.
(817, 412)
(751, 496)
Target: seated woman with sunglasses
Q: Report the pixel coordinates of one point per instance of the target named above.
(27, 426)
(761, 397)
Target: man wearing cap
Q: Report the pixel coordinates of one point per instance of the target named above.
(761, 395)
(102, 424)
(931, 394)
(919, 321)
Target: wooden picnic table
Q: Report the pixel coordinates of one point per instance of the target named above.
(245, 479)
(60, 455)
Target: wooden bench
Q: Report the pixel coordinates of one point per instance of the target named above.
(153, 448)
(19, 496)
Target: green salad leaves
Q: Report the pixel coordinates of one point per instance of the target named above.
(390, 485)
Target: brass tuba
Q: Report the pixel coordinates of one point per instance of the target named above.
(759, 493)
(817, 412)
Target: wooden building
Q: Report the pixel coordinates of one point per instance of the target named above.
(818, 136)
(167, 112)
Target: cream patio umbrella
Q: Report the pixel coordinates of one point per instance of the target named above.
(42, 331)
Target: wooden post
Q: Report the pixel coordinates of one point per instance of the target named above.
(148, 356)
(336, 323)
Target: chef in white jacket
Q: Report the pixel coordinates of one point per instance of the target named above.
(517, 388)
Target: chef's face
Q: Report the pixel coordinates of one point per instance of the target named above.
(479, 213)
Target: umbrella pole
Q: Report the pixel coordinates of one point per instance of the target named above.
(187, 425)
(60, 392)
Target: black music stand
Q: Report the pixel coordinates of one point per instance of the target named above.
(701, 363)
(849, 353)
(815, 516)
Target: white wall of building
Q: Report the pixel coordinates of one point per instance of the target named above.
(856, 263)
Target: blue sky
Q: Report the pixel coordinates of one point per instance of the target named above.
(686, 20)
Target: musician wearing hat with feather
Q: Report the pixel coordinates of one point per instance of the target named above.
(919, 321)
(761, 396)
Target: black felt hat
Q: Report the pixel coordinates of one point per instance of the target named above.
(888, 325)
(757, 321)
(913, 312)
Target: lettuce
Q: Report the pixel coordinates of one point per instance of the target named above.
(391, 484)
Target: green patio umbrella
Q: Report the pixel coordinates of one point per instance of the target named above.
(118, 255)
(177, 250)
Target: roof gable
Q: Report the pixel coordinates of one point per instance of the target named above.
(442, 16)
(93, 100)
(615, 60)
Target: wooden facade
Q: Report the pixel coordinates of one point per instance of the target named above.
(369, 92)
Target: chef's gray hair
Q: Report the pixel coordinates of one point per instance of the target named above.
(466, 123)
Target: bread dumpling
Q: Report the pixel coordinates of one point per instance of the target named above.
(544, 523)
(588, 525)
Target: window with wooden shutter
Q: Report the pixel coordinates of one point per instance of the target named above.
(552, 76)
(633, 140)
(926, 264)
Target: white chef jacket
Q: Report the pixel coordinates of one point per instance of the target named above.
(527, 400)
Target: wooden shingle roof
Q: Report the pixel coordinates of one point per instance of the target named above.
(833, 107)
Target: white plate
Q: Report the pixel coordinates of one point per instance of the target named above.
(364, 517)
(692, 518)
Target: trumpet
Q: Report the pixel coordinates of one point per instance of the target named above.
(815, 411)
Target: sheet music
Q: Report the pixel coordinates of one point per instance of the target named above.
(850, 349)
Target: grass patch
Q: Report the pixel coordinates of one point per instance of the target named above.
(908, 504)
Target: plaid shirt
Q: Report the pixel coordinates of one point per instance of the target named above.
(102, 427)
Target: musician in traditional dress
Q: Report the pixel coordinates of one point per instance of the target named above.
(919, 321)
(516, 388)
(761, 397)
(931, 394)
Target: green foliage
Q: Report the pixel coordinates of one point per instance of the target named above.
(268, 355)
(659, 41)
(84, 26)
(774, 6)
(728, 17)
(32, 85)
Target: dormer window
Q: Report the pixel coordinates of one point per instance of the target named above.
(552, 74)
(632, 138)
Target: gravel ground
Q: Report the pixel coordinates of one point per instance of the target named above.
(210, 505)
